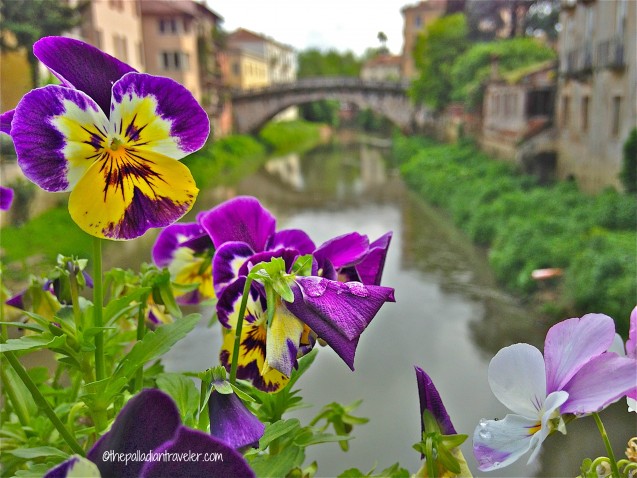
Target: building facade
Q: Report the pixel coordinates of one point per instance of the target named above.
(597, 98)
(415, 19)
(382, 68)
(115, 27)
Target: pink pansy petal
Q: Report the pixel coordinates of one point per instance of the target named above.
(82, 66)
(600, 382)
(631, 343)
(571, 343)
(241, 219)
(153, 113)
(58, 133)
(517, 378)
(5, 121)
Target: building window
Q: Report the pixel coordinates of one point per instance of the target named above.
(585, 110)
(121, 47)
(616, 116)
(620, 21)
(168, 26)
(174, 61)
(418, 21)
(566, 107)
(236, 68)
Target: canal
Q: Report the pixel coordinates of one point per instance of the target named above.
(449, 318)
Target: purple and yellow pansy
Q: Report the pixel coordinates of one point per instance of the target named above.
(244, 234)
(111, 136)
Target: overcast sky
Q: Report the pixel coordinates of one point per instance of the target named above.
(339, 24)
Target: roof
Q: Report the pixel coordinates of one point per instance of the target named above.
(384, 60)
(177, 7)
(425, 5)
(244, 35)
(516, 76)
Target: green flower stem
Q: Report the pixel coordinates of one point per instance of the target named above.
(98, 305)
(141, 331)
(204, 418)
(42, 402)
(75, 299)
(237, 337)
(429, 457)
(18, 408)
(609, 449)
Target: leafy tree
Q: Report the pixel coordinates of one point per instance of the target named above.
(31, 20)
(471, 69)
(313, 63)
(628, 174)
(382, 38)
(434, 53)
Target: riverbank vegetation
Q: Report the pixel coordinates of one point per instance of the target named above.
(34, 245)
(526, 226)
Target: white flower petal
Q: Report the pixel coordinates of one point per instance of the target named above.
(498, 443)
(518, 379)
(551, 410)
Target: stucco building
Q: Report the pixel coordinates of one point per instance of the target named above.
(415, 19)
(597, 98)
(382, 68)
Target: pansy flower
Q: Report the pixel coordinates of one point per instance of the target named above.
(243, 233)
(149, 424)
(186, 250)
(6, 198)
(577, 375)
(629, 350)
(110, 136)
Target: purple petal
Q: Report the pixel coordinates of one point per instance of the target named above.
(202, 455)
(631, 343)
(241, 219)
(226, 263)
(600, 382)
(231, 422)
(338, 312)
(6, 198)
(370, 269)
(230, 300)
(571, 343)
(175, 236)
(82, 66)
(47, 122)
(63, 469)
(188, 123)
(17, 300)
(74, 466)
(430, 400)
(343, 251)
(148, 420)
(5, 121)
(293, 239)
(288, 256)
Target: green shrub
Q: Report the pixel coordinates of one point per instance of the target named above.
(286, 136)
(628, 174)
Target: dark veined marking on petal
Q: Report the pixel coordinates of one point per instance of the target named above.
(133, 132)
(129, 166)
(143, 213)
(251, 372)
(97, 138)
(255, 340)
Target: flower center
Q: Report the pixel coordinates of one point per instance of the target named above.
(115, 144)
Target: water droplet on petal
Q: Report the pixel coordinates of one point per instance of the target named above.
(485, 434)
(315, 286)
(358, 289)
(496, 463)
(483, 422)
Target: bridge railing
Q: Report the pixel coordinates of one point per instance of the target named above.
(322, 83)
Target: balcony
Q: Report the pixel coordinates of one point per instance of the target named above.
(610, 54)
(579, 60)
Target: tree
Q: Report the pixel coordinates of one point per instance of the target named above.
(28, 21)
(489, 19)
(628, 174)
(382, 38)
(471, 69)
(434, 53)
(543, 17)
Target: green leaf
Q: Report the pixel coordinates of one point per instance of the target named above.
(116, 308)
(352, 473)
(37, 452)
(183, 391)
(154, 344)
(304, 440)
(26, 404)
(22, 325)
(278, 429)
(278, 465)
(33, 342)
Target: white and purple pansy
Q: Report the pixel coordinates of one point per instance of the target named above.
(111, 136)
(243, 233)
(577, 375)
(186, 250)
(150, 423)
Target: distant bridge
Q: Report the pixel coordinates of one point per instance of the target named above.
(253, 108)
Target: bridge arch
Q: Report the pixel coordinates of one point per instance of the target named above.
(253, 108)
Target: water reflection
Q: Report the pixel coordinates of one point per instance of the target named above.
(449, 318)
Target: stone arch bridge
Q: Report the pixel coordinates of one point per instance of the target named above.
(253, 108)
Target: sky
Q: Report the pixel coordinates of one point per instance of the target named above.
(325, 24)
